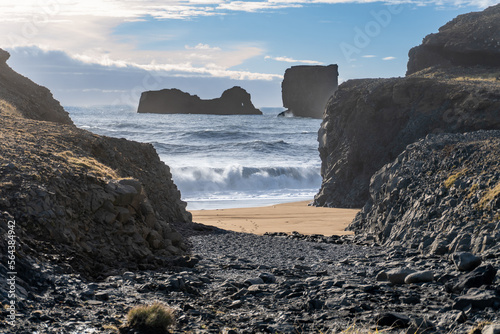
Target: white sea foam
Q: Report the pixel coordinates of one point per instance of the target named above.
(222, 161)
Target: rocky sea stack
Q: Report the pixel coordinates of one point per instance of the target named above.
(369, 122)
(305, 90)
(91, 203)
(233, 101)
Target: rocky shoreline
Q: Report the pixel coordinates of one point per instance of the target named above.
(99, 226)
(244, 283)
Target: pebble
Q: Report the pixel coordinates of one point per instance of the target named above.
(273, 292)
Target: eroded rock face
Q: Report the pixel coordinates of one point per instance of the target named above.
(21, 96)
(371, 121)
(234, 101)
(468, 40)
(97, 204)
(306, 89)
(441, 195)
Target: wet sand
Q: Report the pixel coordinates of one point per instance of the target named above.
(287, 217)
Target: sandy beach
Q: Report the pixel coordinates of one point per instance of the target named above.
(287, 217)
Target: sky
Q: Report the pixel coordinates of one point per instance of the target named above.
(102, 52)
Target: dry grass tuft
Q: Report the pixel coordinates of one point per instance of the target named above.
(490, 195)
(154, 318)
(89, 164)
(454, 177)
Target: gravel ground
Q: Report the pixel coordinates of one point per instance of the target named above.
(243, 283)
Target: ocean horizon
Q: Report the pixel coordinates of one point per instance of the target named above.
(220, 162)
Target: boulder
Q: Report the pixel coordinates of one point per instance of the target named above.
(468, 40)
(466, 261)
(234, 101)
(478, 299)
(398, 275)
(420, 277)
(484, 275)
(305, 90)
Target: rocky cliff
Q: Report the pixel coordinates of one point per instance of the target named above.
(93, 202)
(305, 90)
(21, 95)
(468, 40)
(234, 101)
(369, 122)
(441, 195)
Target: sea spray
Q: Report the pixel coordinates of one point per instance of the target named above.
(222, 161)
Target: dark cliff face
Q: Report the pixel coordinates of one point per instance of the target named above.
(468, 40)
(305, 90)
(233, 101)
(369, 122)
(441, 195)
(29, 99)
(96, 203)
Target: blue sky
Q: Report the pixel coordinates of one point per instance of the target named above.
(108, 51)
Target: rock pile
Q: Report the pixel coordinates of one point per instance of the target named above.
(242, 283)
(441, 195)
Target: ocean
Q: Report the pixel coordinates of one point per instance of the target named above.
(218, 161)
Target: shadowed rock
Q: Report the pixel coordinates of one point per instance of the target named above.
(468, 40)
(19, 96)
(306, 89)
(234, 101)
(369, 122)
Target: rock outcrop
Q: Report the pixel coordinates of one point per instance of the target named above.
(20, 95)
(305, 90)
(93, 202)
(369, 122)
(234, 101)
(468, 40)
(441, 195)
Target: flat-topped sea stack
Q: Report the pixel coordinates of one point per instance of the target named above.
(305, 90)
(369, 122)
(234, 101)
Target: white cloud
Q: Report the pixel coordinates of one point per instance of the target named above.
(369, 56)
(388, 58)
(84, 29)
(201, 46)
(291, 60)
(255, 6)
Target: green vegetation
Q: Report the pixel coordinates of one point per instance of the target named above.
(154, 318)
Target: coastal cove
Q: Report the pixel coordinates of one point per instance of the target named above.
(219, 161)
